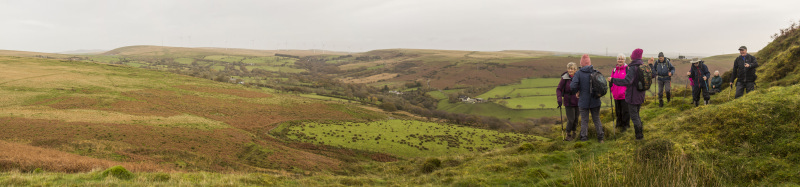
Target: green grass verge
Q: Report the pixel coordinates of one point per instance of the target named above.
(406, 138)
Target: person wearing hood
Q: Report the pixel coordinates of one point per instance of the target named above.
(633, 96)
(570, 101)
(716, 82)
(699, 75)
(618, 93)
(664, 71)
(587, 104)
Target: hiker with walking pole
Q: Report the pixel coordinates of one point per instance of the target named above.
(570, 101)
(591, 86)
(623, 119)
(744, 69)
(636, 82)
(664, 71)
(699, 75)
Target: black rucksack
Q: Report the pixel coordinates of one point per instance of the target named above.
(599, 86)
(643, 78)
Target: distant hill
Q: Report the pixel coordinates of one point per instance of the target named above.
(145, 50)
(84, 52)
(457, 69)
(31, 54)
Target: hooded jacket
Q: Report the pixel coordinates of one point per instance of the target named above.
(619, 91)
(716, 81)
(697, 73)
(581, 83)
(632, 95)
(563, 91)
(744, 74)
(662, 69)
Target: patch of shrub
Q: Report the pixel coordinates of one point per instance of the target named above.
(430, 165)
(517, 163)
(258, 179)
(256, 155)
(160, 177)
(355, 181)
(495, 168)
(526, 147)
(537, 173)
(117, 172)
(450, 162)
(555, 146)
(579, 144)
(14, 181)
(655, 150)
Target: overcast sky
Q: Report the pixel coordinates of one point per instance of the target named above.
(590, 26)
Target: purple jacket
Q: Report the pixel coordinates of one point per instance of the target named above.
(563, 91)
(632, 95)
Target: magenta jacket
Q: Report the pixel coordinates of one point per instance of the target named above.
(618, 91)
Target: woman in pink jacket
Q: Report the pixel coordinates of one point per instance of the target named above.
(618, 92)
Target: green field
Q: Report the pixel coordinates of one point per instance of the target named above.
(406, 138)
(526, 87)
(496, 110)
(186, 61)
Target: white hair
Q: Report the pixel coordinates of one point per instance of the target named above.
(572, 65)
(621, 56)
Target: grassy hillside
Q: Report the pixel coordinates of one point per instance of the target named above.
(145, 117)
(72, 116)
(749, 141)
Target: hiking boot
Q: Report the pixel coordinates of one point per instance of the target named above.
(660, 103)
(669, 97)
(706, 102)
(696, 103)
(601, 141)
(570, 137)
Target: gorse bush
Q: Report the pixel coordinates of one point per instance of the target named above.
(654, 152)
(117, 172)
(430, 165)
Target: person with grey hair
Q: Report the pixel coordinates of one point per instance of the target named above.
(716, 82)
(664, 71)
(570, 101)
(618, 93)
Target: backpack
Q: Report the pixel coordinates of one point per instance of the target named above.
(599, 86)
(643, 78)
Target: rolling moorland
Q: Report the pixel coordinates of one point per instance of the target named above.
(75, 122)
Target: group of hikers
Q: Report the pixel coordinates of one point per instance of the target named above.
(579, 93)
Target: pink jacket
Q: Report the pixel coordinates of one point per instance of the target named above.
(618, 91)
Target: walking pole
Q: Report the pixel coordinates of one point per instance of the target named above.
(563, 133)
(613, 117)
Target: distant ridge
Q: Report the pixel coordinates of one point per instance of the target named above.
(84, 52)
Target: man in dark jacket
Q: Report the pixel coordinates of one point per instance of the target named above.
(744, 69)
(570, 101)
(664, 71)
(633, 96)
(581, 83)
(699, 75)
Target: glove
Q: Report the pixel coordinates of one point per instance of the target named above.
(559, 104)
